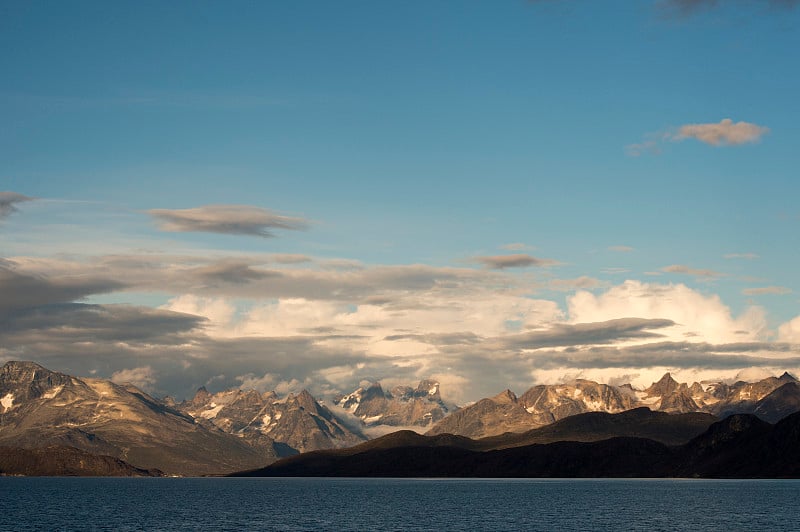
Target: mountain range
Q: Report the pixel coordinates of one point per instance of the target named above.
(401, 407)
(211, 434)
(117, 429)
(771, 399)
(295, 423)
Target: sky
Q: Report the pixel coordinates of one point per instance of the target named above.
(317, 194)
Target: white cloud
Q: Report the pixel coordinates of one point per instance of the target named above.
(143, 377)
(269, 382)
(219, 311)
(790, 331)
(704, 317)
(726, 132)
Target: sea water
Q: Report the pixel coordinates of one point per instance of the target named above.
(395, 504)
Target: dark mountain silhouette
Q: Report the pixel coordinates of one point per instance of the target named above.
(740, 446)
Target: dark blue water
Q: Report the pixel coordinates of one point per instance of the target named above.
(396, 504)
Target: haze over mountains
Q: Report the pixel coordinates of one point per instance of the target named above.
(122, 430)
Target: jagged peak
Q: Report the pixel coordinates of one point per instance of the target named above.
(304, 399)
(506, 396)
(664, 386)
(427, 385)
(202, 392)
(667, 377)
(787, 377)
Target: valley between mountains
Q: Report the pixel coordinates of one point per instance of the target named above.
(57, 424)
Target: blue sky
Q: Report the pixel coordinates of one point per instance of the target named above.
(408, 135)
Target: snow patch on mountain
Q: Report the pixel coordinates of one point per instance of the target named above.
(52, 393)
(212, 412)
(7, 402)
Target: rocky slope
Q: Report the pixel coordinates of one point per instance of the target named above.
(39, 407)
(494, 415)
(66, 461)
(403, 406)
(296, 423)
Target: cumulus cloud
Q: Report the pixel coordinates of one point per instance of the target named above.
(9, 201)
(286, 326)
(767, 290)
(790, 331)
(726, 132)
(696, 315)
(520, 260)
(227, 219)
(143, 377)
(269, 382)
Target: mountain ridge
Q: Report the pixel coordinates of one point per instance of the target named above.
(724, 450)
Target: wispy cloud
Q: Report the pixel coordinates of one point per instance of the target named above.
(726, 132)
(686, 270)
(226, 219)
(9, 201)
(746, 256)
(519, 260)
(690, 7)
(767, 290)
(620, 249)
(615, 270)
(516, 246)
(580, 283)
